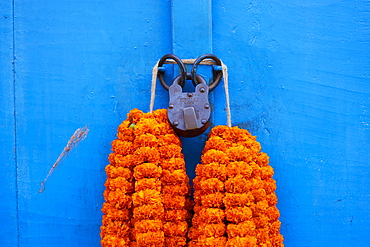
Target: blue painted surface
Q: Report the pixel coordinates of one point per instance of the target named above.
(8, 190)
(299, 80)
(299, 75)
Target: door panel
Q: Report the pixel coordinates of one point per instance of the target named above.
(299, 80)
(79, 64)
(8, 177)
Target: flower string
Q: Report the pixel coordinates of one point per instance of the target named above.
(235, 201)
(147, 191)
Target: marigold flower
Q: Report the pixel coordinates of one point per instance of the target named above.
(259, 194)
(239, 153)
(115, 172)
(160, 115)
(175, 241)
(181, 189)
(217, 143)
(125, 137)
(170, 151)
(248, 241)
(238, 184)
(242, 229)
(148, 183)
(143, 226)
(175, 177)
(118, 160)
(175, 228)
(134, 115)
(212, 170)
(114, 241)
(197, 208)
(177, 215)
(167, 139)
(261, 221)
(212, 241)
(147, 126)
(124, 130)
(210, 216)
(147, 196)
(147, 170)
(150, 238)
(148, 212)
(121, 184)
(173, 164)
(146, 155)
(115, 226)
(277, 240)
(208, 230)
(118, 198)
(174, 202)
(214, 200)
(262, 159)
(238, 214)
(269, 185)
(272, 213)
(113, 213)
(122, 147)
(275, 227)
(239, 168)
(212, 185)
(267, 172)
(214, 156)
(262, 235)
(145, 140)
(272, 199)
(238, 199)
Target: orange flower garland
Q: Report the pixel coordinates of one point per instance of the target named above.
(235, 201)
(147, 190)
(147, 187)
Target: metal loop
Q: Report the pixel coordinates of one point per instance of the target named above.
(179, 63)
(217, 75)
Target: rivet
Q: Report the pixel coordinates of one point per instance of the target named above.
(202, 89)
(206, 106)
(175, 123)
(204, 121)
(190, 94)
(171, 106)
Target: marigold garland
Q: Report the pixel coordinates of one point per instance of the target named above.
(147, 189)
(147, 192)
(235, 201)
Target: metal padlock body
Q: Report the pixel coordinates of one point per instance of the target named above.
(189, 112)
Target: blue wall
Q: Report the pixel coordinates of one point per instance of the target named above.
(299, 76)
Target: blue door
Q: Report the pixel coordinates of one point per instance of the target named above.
(299, 76)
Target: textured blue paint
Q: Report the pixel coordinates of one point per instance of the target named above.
(299, 75)
(8, 196)
(78, 63)
(299, 80)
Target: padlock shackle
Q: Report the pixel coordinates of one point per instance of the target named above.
(217, 75)
(181, 67)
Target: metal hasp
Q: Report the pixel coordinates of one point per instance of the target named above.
(189, 112)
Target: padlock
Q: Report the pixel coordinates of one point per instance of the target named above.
(189, 112)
